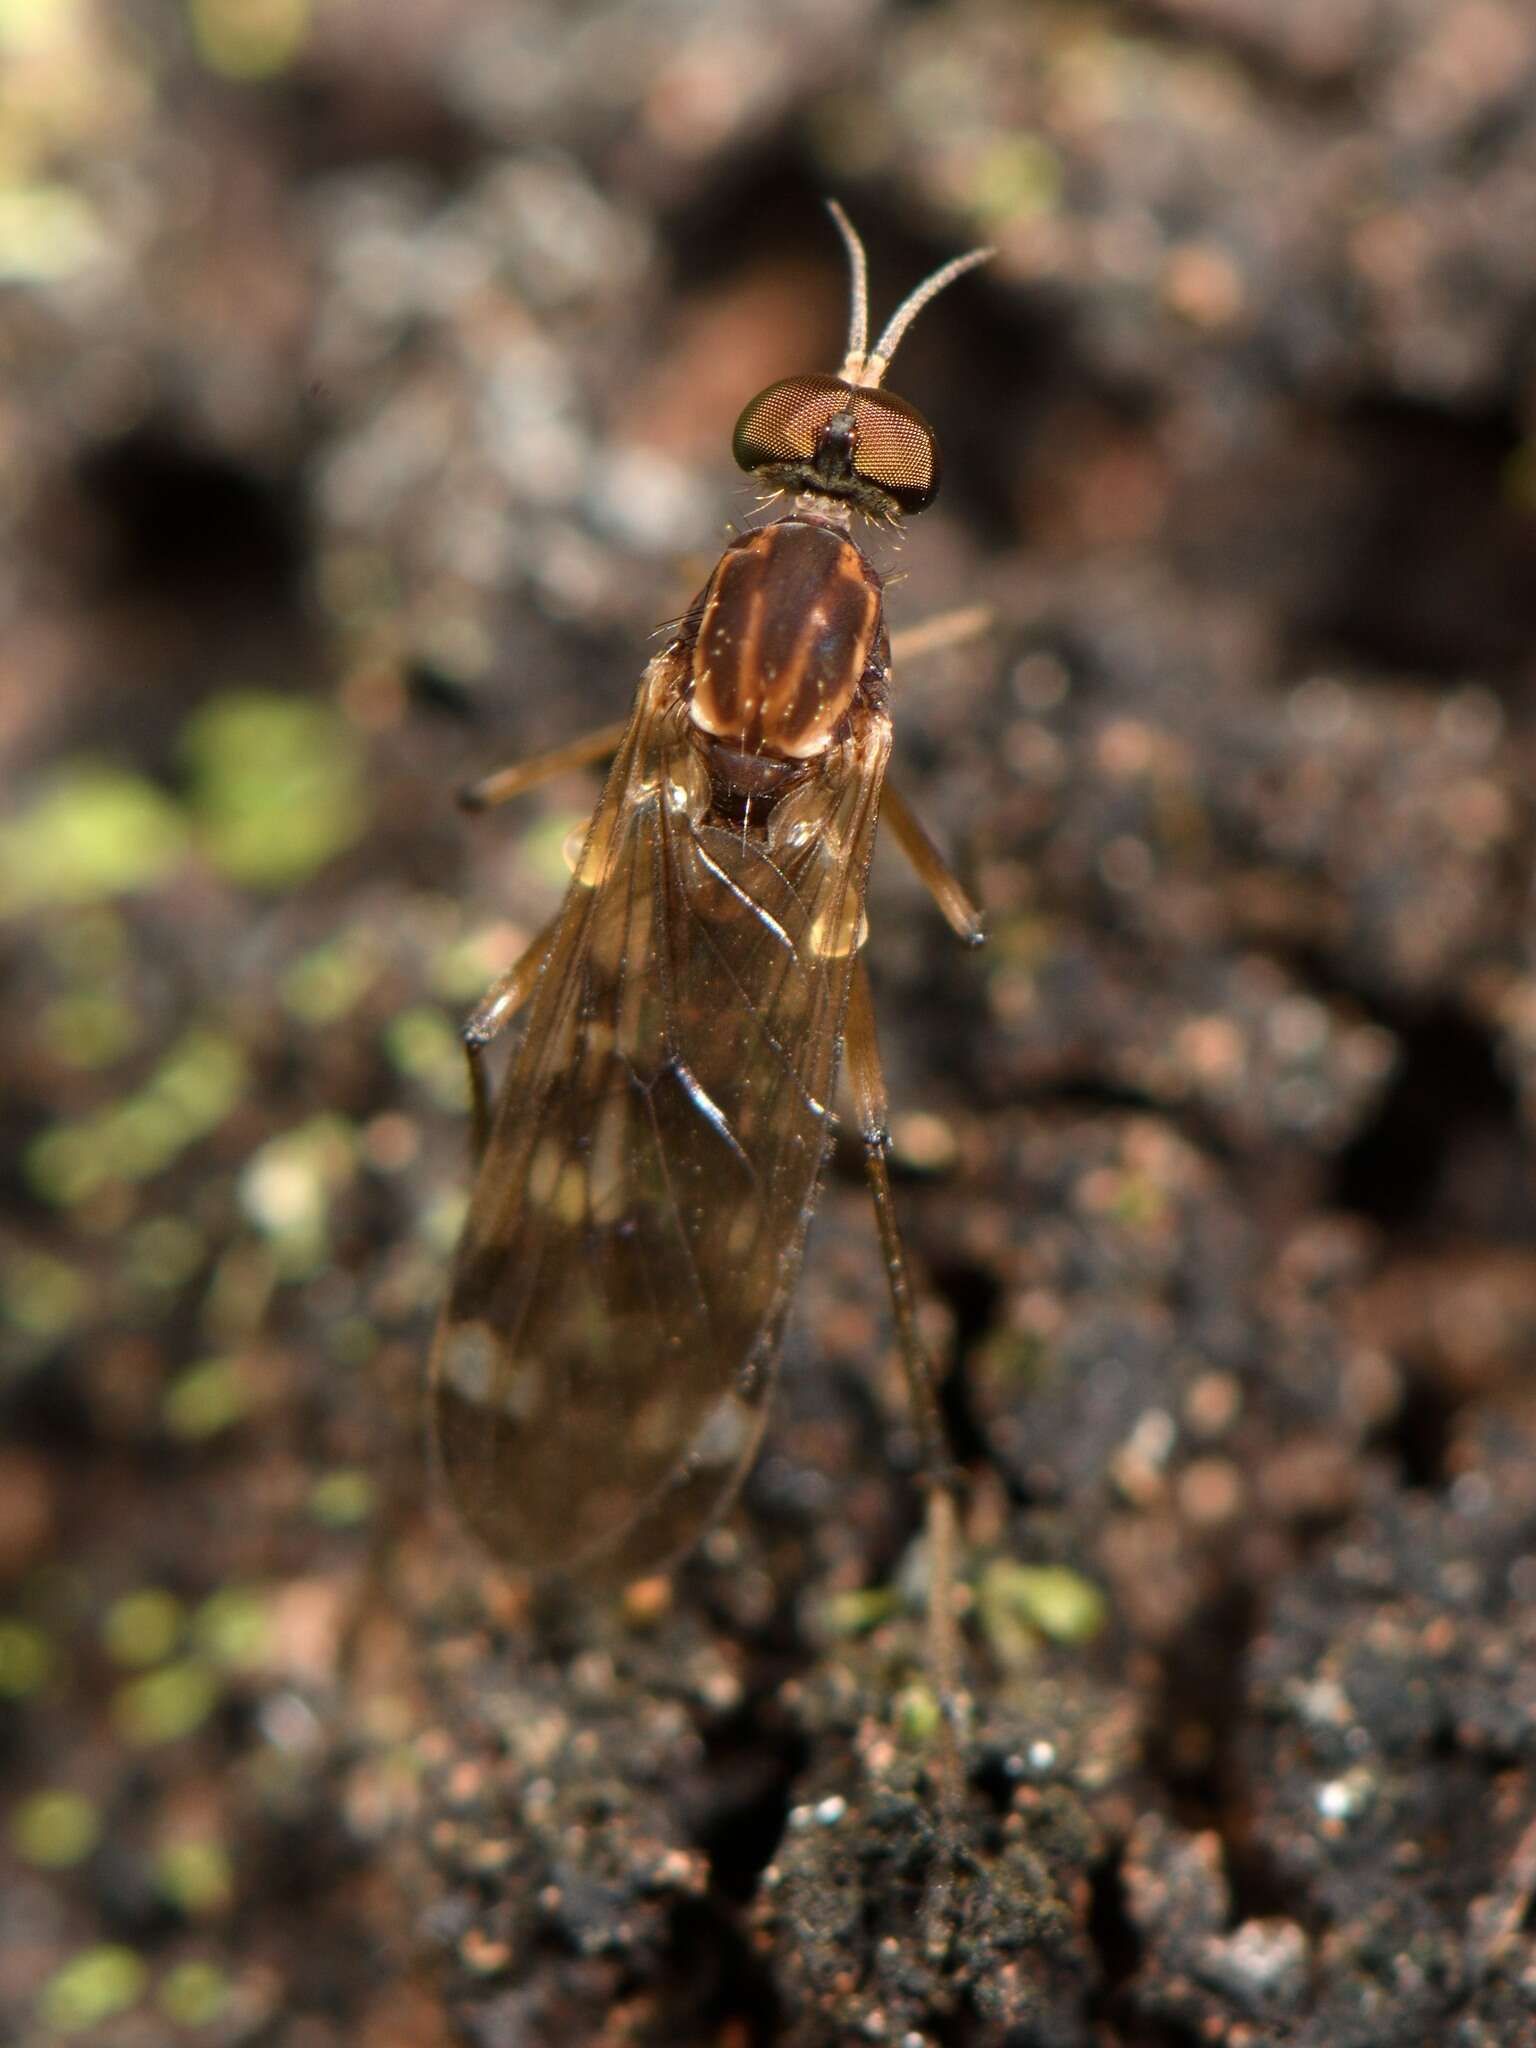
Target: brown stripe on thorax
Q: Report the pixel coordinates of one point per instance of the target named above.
(789, 622)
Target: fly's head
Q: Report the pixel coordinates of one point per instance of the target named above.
(838, 440)
(842, 438)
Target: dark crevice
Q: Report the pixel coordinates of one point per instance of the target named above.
(751, 1774)
(994, 342)
(1197, 1752)
(1423, 1431)
(765, 203)
(1432, 573)
(726, 1992)
(1097, 1093)
(1261, 1889)
(437, 693)
(973, 1296)
(170, 519)
(995, 1776)
(1450, 1103)
(1191, 1746)
(1140, 2031)
(49, 1411)
(1112, 1932)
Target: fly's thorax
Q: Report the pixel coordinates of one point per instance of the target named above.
(789, 629)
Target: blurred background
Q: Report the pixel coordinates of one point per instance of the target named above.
(366, 383)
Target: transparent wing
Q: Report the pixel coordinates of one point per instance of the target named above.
(615, 1308)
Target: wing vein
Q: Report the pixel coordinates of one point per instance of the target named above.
(763, 916)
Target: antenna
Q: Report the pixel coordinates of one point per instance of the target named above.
(867, 366)
(858, 318)
(880, 356)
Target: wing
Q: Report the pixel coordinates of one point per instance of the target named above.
(614, 1311)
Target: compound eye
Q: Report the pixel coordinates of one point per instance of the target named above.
(896, 450)
(784, 423)
(892, 445)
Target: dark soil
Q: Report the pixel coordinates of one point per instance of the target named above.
(368, 378)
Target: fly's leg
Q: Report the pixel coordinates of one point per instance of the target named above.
(944, 629)
(933, 871)
(939, 1476)
(507, 783)
(490, 1017)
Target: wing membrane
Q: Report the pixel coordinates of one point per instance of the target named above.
(615, 1306)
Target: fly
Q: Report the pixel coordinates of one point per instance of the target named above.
(648, 1169)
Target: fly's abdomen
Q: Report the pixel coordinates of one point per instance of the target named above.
(790, 622)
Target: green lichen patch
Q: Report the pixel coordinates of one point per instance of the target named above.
(91, 831)
(276, 786)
